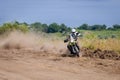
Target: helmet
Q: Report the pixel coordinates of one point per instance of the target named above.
(73, 30)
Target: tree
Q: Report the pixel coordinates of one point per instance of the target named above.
(84, 27)
(8, 27)
(37, 26)
(116, 26)
(23, 28)
(104, 27)
(25, 23)
(45, 28)
(54, 27)
(98, 27)
(63, 28)
(110, 28)
(16, 22)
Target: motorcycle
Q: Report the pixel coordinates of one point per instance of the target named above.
(73, 48)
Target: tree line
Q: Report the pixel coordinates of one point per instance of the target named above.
(51, 28)
(98, 27)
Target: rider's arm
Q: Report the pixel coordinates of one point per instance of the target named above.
(78, 34)
(67, 39)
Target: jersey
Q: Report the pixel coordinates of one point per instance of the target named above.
(73, 36)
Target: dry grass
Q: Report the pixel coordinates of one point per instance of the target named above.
(103, 44)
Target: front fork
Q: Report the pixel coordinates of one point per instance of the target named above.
(70, 45)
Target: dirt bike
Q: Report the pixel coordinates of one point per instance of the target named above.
(73, 48)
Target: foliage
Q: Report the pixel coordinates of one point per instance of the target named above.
(52, 28)
(93, 37)
(116, 26)
(62, 28)
(37, 26)
(93, 27)
(8, 27)
(84, 27)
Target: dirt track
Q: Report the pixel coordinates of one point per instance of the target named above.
(21, 60)
(38, 65)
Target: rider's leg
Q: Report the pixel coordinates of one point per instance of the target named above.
(69, 48)
(77, 46)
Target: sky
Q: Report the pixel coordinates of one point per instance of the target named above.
(73, 13)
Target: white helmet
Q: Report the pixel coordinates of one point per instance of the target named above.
(73, 30)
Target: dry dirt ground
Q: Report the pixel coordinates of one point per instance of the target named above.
(20, 64)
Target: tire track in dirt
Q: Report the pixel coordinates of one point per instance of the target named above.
(37, 65)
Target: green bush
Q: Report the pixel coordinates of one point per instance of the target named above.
(8, 27)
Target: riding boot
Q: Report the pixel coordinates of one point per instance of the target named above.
(77, 46)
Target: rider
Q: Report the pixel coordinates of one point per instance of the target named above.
(72, 38)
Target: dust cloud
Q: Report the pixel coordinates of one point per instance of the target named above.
(19, 40)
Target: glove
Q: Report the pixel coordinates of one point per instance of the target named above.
(66, 40)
